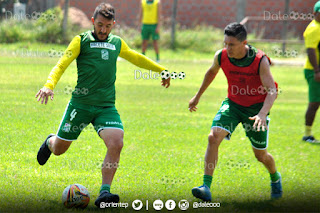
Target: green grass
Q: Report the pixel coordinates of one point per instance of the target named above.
(164, 143)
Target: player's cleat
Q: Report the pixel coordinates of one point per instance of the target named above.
(202, 192)
(310, 139)
(44, 152)
(106, 197)
(276, 189)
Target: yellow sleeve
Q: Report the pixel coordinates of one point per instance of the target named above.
(312, 38)
(139, 59)
(71, 53)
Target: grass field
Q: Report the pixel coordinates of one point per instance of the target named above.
(164, 143)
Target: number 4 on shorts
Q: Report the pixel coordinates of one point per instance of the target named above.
(73, 114)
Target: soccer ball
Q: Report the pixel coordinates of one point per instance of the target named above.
(165, 74)
(174, 75)
(75, 196)
(182, 75)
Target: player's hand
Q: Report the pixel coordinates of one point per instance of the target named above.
(44, 95)
(165, 82)
(259, 122)
(157, 30)
(193, 103)
(317, 76)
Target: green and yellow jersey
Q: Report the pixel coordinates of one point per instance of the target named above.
(97, 66)
(312, 40)
(150, 11)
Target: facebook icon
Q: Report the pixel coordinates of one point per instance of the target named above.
(170, 204)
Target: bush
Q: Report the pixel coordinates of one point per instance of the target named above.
(43, 27)
(13, 31)
(48, 26)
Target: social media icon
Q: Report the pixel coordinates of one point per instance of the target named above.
(195, 205)
(102, 205)
(170, 204)
(137, 204)
(183, 204)
(158, 204)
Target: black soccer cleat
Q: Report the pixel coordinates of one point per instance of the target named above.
(310, 139)
(106, 197)
(44, 152)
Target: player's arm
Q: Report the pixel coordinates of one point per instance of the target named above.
(159, 17)
(311, 52)
(140, 14)
(311, 42)
(270, 86)
(208, 78)
(142, 61)
(69, 55)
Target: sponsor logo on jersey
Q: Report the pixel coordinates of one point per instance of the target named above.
(102, 45)
(66, 127)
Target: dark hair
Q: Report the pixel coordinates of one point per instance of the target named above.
(106, 10)
(236, 30)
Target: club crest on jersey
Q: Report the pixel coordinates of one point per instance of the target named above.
(105, 54)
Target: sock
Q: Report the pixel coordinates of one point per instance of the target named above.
(275, 177)
(105, 187)
(158, 57)
(207, 180)
(48, 144)
(308, 131)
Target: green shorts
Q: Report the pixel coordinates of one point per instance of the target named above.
(314, 86)
(148, 30)
(77, 116)
(231, 114)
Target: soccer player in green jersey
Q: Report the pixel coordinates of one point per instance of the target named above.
(93, 100)
(312, 72)
(247, 71)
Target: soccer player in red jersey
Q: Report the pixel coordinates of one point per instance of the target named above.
(251, 94)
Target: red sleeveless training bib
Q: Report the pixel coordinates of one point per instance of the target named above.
(244, 84)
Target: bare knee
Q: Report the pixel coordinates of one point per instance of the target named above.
(115, 145)
(313, 106)
(214, 139)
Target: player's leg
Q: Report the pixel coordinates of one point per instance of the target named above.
(113, 139)
(144, 46)
(156, 49)
(110, 129)
(73, 121)
(309, 117)
(210, 161)
(267, 160)
(145, 35)
(223, 125)
(314, 102)
(259, 142)
(215, 138)
(155, 38)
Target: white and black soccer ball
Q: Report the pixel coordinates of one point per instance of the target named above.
(75, 196)
(35, 15)
(181, 75)
(165, 74)
(52, 53)
(68, 90)
(174, 75)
